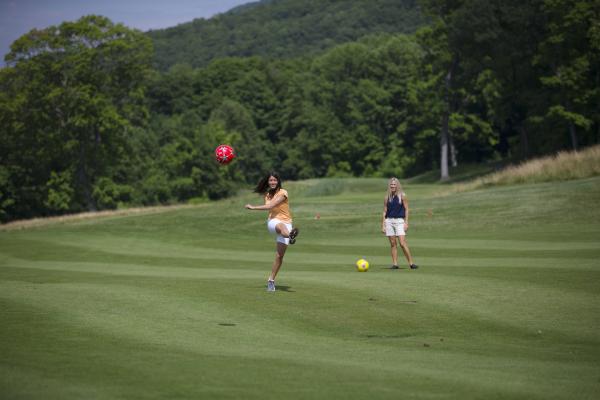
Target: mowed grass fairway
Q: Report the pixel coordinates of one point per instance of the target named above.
(172, 304)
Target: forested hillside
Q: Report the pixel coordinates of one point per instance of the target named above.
(281, 29)
(88, 122)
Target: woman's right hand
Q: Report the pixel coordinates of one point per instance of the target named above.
(249, 207)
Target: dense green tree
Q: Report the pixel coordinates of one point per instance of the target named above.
(71, 94)
(443, 61)
(569, 55)
(171, 92)
(369, 88)
(254, 152)
(497, 42)
(481, 52)
(276, 29)
(183, 167)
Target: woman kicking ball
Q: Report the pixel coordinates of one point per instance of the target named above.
(279, 221)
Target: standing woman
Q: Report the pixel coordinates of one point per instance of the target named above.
(394, 223)
(279, 221)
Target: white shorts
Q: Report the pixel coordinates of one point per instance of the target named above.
(394, 227)
(272, 223)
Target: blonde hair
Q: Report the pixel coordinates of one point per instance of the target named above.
(398, 189)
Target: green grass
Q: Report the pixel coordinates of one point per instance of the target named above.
(506, 304)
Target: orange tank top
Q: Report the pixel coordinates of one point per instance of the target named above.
(282, 210)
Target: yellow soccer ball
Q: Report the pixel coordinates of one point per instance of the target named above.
(362, 265)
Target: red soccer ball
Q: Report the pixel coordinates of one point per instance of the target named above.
(224, 154)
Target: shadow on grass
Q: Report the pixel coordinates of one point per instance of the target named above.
(394, 269)
(284, 289)
(280, 288)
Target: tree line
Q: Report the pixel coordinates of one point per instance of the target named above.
(87, 122)
(276, 29)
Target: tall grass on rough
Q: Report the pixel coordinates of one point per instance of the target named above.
(566, 165)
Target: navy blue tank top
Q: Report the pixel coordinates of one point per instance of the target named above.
(395, 208)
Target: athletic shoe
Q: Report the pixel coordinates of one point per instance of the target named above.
(414, 266)
(395, 267)
(293, 233)
(270, 286)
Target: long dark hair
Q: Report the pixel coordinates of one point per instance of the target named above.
(263, 185)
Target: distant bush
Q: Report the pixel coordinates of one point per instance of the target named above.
(108, 195)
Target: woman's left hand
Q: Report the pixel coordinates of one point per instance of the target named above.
(405, 226)
(249, 207)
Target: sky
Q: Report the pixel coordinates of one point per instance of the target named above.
(17, 17)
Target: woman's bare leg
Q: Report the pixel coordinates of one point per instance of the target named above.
(405, 249)
(281, 248)
(394, 250)
(282, 230)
